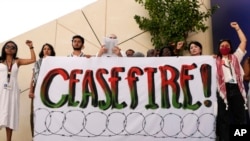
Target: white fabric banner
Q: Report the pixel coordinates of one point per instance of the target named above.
(126, 98)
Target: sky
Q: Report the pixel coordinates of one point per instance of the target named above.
(20, 16)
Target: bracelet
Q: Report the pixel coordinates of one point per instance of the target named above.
(238, 29)
(31, 47)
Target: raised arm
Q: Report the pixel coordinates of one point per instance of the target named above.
(241, 35)
(32, 55)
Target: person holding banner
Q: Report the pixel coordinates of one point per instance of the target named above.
(9, 90)
(47, 50)
(173, 49)
(232, 101)
(78, 46)
(110, 48)
(138, 54)
(166, 51)
(130, 52)
(152, 52)
(195, 48)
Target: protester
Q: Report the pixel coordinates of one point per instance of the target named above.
(166, 51)
(78, 46)
(47, 50)
(130, 52)
(231, 93)
(9, 89)
(110, 48)
(138, 54)
(195, 48)
(152, 52)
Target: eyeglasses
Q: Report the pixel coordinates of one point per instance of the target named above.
(10, 47)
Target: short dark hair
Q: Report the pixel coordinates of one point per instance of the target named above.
(130, 50)
(79, 37)
(169, 47)
(196, 43)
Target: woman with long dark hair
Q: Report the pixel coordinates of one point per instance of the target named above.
(9, 90)
(46, 50)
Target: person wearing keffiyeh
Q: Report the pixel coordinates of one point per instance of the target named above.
(46, 50)
(231, 92)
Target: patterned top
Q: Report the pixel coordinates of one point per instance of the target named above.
(80, 55)
(36, 70)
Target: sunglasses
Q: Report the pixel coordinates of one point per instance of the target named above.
(10, 47)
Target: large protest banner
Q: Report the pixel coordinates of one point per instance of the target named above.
(122, 98)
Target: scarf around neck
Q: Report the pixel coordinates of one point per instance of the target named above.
(221, 79)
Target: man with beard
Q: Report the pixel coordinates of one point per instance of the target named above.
(78, 45)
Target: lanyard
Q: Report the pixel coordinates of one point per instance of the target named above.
(9, 70)
(229, 67)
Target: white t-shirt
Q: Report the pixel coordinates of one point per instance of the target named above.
(112, 55)
(228, 70)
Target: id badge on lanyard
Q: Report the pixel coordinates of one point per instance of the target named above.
(7, 86)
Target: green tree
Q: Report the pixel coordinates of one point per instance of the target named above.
(172, 20)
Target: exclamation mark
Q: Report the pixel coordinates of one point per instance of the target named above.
(205, 71)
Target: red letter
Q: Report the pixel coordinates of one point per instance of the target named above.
(88, 82)
(72, 87)
(132, 85)
(185, 87)
(45, 88)
(173, 83)
(114, 87)
(99, 76)
(151, 88)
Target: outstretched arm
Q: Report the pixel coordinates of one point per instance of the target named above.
(241, 35)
